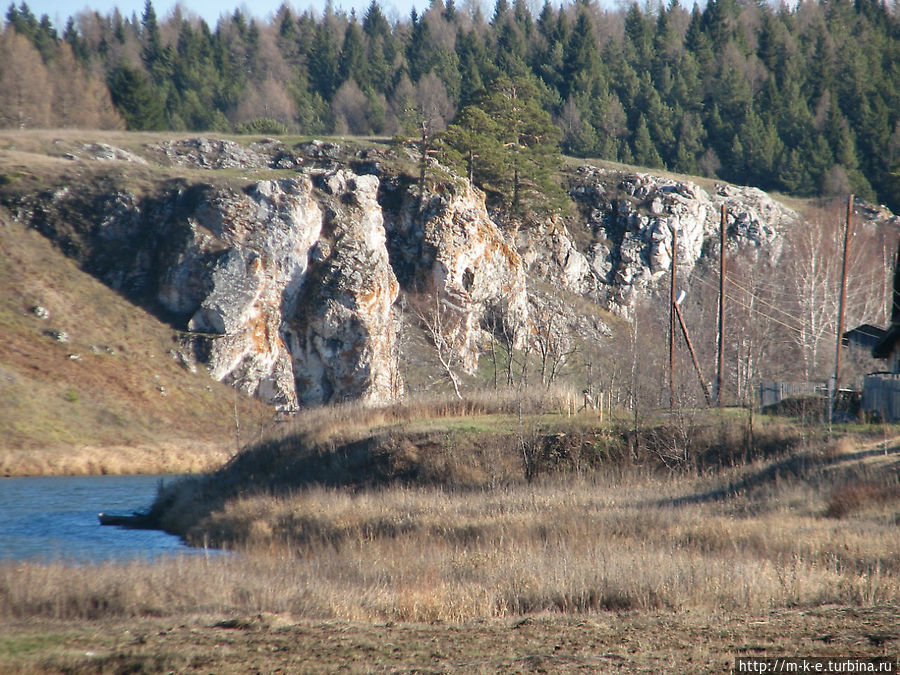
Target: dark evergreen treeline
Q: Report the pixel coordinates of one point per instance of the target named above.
(805, 99)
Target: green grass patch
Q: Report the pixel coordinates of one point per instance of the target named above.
(30, 644)
(477, 424)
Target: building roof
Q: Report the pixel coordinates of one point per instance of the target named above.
(885, 346)
(865, 336)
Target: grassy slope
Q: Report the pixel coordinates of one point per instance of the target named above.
(123, 390)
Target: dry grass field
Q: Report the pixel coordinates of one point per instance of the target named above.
(628, 565)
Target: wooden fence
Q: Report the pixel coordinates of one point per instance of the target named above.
(881, 396)
(773, 392)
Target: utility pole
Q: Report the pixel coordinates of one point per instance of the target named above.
(672, 319)
(720, 366)
(840, 329)
(840, 325)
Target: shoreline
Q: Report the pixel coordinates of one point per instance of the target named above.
(172, 457)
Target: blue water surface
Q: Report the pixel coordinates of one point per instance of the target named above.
(55, 519)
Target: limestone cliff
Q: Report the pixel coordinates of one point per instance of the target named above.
(286, 288)
(629, 221)
(453, 251)
(295, 289)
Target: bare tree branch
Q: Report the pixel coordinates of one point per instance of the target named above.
(445, 327)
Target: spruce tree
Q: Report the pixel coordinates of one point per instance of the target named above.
(352, 59)
(644, 152)
(133, 96)
(324, 63)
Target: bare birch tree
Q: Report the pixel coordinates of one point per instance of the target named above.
(445, 326)
(813, 270)
(815, 250)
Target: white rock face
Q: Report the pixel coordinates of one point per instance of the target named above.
(295, 290)
(267, 235)
(342, 333)
(632, 218)
(459, 255)
(550, 251)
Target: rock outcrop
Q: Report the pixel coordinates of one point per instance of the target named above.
(290, 290)
(241, 294)
(629, 221)
(455, 255)
(294, 290)
(342, 332)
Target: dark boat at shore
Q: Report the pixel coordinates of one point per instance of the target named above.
(136, 520)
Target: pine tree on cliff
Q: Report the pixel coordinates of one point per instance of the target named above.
(509, 147)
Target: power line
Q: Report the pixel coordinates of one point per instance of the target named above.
(763, 301)
(792, 297)
(771, 318)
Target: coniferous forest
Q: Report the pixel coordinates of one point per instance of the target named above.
(803, 100)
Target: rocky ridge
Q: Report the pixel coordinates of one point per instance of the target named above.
(293, 290)
(628, 222)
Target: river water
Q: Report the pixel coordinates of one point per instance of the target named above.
(55, 519)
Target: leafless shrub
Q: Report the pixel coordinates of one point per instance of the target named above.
(446, 328)
(860, 494)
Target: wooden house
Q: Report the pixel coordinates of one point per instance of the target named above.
(881, 391)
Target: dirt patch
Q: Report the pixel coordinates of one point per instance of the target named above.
(633, 642)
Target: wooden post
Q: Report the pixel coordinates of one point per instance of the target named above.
(601, 407)
(720, 367)
(672, 320)
(590, 366)
(687, 339)
(840, 328)
(835, 383)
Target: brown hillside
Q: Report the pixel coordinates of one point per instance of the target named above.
(97, 372)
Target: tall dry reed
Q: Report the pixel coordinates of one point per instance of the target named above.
(418, 554)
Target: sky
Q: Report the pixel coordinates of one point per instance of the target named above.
(209, 10)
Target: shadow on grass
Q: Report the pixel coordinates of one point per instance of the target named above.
(794, 468)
